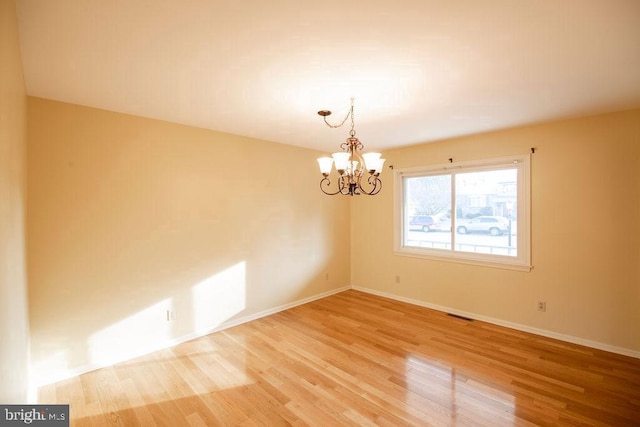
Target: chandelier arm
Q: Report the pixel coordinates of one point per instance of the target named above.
(377, 187)
(374, 183)
(327, 182)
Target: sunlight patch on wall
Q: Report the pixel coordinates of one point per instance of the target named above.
(219, 297)
(144, 332)
(50, 369)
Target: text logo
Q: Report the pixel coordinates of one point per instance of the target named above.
(36, 415)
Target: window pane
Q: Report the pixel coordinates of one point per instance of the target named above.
(428, 212)
(486, 206)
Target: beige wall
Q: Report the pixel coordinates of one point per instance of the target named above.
(14, 327)
(585, 234)
(130, 217)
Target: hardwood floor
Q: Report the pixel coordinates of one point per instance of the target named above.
(358, 359)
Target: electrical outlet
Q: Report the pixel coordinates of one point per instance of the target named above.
(397, 279)
(326, 276)
(542, 306)
(171, 315)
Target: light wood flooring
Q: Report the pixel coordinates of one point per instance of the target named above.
(358, 359)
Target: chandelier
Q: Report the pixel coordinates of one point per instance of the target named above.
(352, 167)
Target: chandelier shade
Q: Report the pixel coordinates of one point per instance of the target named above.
(325, 163)
(357, 173)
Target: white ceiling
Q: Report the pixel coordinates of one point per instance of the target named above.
(420, 70)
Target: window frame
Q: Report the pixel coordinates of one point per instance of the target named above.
(521, 262)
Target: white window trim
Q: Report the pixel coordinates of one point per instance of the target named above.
(521, 263)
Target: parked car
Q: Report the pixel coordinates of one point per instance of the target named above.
(428, 222)
(421, 222)
(493, 225)
(444, 224)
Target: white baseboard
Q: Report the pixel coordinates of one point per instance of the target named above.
(83, 369)
(511, 325)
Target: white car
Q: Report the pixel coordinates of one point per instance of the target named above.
(494, 225)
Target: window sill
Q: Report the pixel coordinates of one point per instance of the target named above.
(477, 261)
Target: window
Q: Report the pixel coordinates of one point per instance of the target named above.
(472, 212)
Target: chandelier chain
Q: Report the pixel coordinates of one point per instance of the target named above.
(349, 114)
